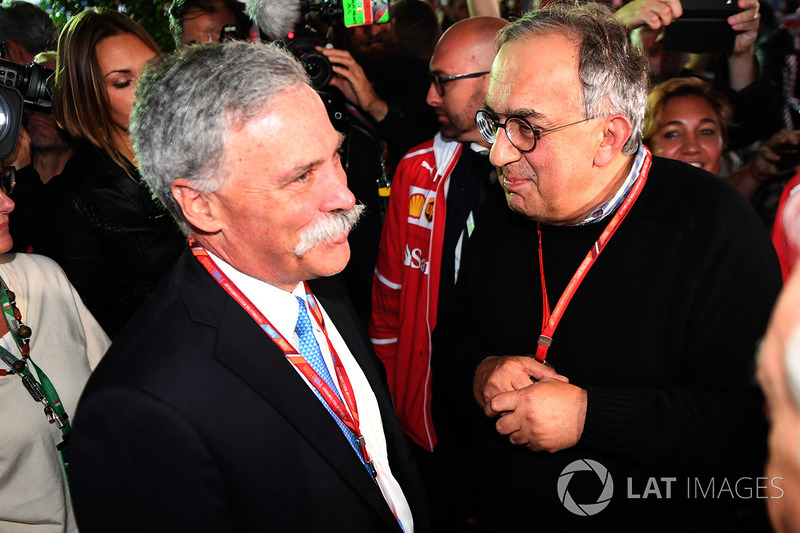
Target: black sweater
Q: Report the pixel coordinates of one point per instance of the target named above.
(662, 333)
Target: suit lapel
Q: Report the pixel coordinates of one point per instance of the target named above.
(248, 352)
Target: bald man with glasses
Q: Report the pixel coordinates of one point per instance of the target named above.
(436, 192)
(607, 312)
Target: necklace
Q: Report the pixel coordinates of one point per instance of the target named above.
(41, 390)
(23, 332)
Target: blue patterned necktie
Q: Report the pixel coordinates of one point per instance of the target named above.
(309, 349)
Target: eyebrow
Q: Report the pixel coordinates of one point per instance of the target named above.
(702, 121)
(522, 112)
(293, 172)
(118, 71)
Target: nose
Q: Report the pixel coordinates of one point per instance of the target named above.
(6, 203)
(336, 194)
(690, 144)
(432, 98)
(503, 152)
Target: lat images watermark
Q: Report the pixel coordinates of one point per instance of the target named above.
(585, 509)
(689, 488)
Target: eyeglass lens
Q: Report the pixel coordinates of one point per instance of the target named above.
(437, 83)
(519, 131)
(8, 179)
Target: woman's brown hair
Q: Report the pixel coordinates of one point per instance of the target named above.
(80, 102)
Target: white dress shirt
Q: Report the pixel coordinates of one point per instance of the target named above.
(281, 309)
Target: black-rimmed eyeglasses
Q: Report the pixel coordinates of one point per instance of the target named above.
(439, 81)
(8, 180)
(521, 134)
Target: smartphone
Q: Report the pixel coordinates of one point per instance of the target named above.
(702, 28)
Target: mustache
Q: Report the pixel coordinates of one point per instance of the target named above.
(328, 227)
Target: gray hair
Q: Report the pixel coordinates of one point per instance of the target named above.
(186, 103)
(28, 25)
(613, 73)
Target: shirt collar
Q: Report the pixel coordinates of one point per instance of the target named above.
(609, 207)
(277, 305)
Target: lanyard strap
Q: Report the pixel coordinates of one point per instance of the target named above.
(42, 390)
(550, 320)
(347, 414)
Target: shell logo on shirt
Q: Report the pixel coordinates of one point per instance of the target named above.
(419, 199)
(415, 205)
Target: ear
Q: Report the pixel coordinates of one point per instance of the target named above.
(198, 208)
(617, 130)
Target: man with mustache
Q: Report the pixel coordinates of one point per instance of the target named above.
(243, 396)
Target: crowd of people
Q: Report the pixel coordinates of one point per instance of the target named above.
(501, 270)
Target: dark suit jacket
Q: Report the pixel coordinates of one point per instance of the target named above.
(195, 421)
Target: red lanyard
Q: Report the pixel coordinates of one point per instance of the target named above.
(348, 415)
(550, 321)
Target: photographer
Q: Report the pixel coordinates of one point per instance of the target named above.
(42, 149)
(389, 86)
(200, 21)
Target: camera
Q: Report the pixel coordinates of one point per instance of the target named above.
(302, 25)
(301, 43)
(20, 85)
(317, 22)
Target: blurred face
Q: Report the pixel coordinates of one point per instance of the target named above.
(462, 98)
(202, 26)
(371, 42)
(285, 180)
(663, 64)
(783, 465)
(689, 131)
(41, 126)
(459, 11)
(121, 58)
(555, 182)
(6, 206)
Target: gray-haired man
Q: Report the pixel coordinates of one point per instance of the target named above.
(644, 281)
(242, 397)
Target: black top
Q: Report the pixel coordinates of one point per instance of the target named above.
(662, 333)
(113, 240)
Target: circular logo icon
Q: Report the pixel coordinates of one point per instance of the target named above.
(585, 509)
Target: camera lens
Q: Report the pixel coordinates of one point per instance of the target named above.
(5, 119)
(313, 67)
(317, 67)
